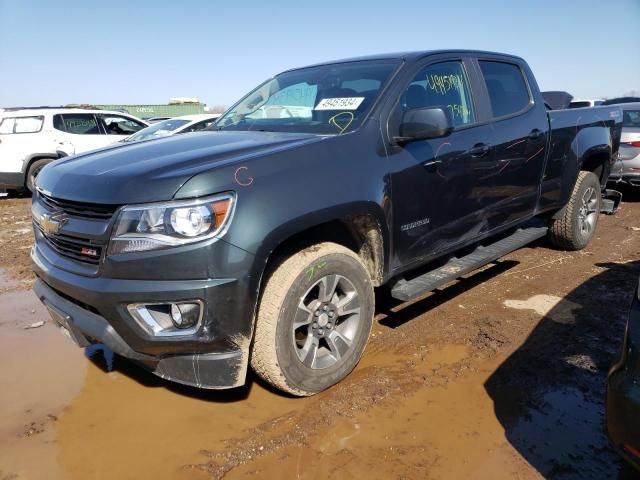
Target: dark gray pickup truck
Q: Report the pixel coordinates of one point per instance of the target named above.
(260, 242)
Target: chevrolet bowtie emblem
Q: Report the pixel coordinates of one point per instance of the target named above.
(51, 223)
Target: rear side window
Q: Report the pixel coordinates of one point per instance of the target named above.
(506, 86)
(21, 125)
(6, 126)
(631, 118)
(77, 123)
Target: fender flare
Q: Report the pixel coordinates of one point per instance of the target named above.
(341, 213)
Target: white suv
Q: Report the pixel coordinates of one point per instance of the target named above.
(31, 138)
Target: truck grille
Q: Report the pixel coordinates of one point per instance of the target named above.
(75, 248)
(72, 244)
(78, 209)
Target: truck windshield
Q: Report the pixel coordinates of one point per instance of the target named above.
(326, 100)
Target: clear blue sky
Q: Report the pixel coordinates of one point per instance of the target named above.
(57, 51)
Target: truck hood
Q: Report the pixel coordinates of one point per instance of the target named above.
(154, 170)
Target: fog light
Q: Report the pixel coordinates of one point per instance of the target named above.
(168, 319)
(185, 315)
(176, 314)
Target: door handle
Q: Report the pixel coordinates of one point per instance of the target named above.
(535, 134)
(478, 150)
(432, 163)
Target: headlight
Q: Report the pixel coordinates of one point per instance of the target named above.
(156, 226)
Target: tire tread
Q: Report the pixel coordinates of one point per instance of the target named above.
(264, 360)
(561, 231)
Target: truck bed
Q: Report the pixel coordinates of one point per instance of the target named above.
(576, 134)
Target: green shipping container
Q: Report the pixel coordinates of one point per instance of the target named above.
(148, 111)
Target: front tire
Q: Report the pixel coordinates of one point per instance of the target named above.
(314, 320)
(32, 173)
(575, 229)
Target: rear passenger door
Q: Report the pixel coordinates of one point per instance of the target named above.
(520, 130)
(78, 132)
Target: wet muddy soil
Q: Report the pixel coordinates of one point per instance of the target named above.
(499, 375)
(16, 238)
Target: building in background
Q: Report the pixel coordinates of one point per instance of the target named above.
(175, 108)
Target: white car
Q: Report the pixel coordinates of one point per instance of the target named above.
(31, 138)
(173, 126)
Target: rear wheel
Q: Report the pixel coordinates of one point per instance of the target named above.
(34, 170)
(575, 229)
(314, 320)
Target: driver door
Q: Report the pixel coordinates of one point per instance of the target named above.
(439, 193)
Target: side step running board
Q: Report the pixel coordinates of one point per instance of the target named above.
(456, 267)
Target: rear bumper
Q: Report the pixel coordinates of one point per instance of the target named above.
(627, 168)
(632, 179)
(202, 370)
(623, 394)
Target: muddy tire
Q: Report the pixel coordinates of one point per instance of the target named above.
(34, 170)
(575, 229)
(314, 320)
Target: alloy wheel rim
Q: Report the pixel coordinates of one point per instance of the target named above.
(326, 322)
(588, 211)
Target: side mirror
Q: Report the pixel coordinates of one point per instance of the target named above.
(425, 123)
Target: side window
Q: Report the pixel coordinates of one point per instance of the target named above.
(6, 126)
(507, 88)
(28, 124)
(442, 85)
(77, 123)
(630, 118)
(118, 125)
(21, 125)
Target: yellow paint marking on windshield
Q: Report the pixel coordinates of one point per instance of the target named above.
(350, 117)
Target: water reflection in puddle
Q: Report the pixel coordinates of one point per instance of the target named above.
(100, 354)
(563, 436)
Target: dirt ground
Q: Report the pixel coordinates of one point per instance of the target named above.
(498, 376)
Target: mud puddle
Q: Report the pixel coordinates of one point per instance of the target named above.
(563, 428)
(130, 424)
(39, 377)
(439, 431)
(449, 429)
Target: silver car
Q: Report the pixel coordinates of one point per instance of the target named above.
(627, 169)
